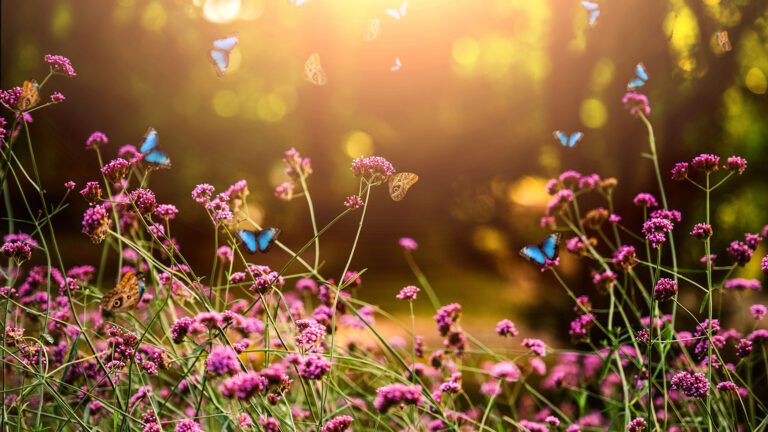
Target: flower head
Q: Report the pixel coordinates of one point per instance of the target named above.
(296, 166)
(680, 171)
(702, 231)
(353, 202)
(645, 199)
(396, 395)
(705, 162)
(739, 252)
(375, 169)
(408, 243)
(60, 64)
(116, 169)
(636, 103)
(693, 385)
(655, 231)
(665, 289)
(506, 327)
(758, 311)
(57, 97)
(408, 293)
(736, 163)
(96, 223)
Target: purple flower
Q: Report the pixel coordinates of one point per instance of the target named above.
(736, 163)
(180, 329)
(506, 370)
(764, 264)
(338, 424)
(11, 96)
(353, 202)
(569, 178)
(144, 200)
(69, 185)
(202, 193)
(637, 425)
(296, 165)
(91, 192)
(645, 199)
(284, 191)
(758, 311)
(727, 386)
(219, 209)
(18, 250)
(96, 223)
(705, 162)
(446, 316)
(115, 170)
(506, 327)
(665, 289)
(558, 201)
(408, 293)
(97, 139)
(743, 348)
(60, 64)
(225, 254)
(752, 240)
(536, 346)
(396, 395)
(673, 216)
(552, 421)
(741, 284)
(702, 231)
(57, 97)
(680, 171)
(374, 169)
(636, 103)
(408, 243)
(270, 424)
(655, 231)
(580, 326)
(314, 367)
(311, 333)
(693, 385)
(222, 361)
(166, 211)
(625, 257)
(243, 385)
(739, 252)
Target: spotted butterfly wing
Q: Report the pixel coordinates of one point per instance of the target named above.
(126, 295)
(723, 41)
(399, 183)
(219, 54)
(30, 96)
(567, 140)
(641, 76)
(547, 250)
(373, 29)
(258, 241)
(313, 71)
(152, 155)
(593, 11)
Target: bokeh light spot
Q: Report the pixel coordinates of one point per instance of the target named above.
(225, 103)
(529, 192)
(756, 81)
(593, 113)
(358, 143)
(272, 107)
(154, 16)
(465, 51)
(488, 239)
(61, 22)
(221, 11)
(602, 74)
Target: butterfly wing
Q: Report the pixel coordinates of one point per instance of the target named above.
(248, 238)
(550, 246)
(126, 295)
(723, 41)
(399, 183)
(561, 136)
(150, 141)
(266, 238)
(227, 43)
(641, 72)
(397, 66)
(313, 71)
(220, 61)
(403, 8)
(574, 139)
(158, 158)
(533, 254)
(593, 11)
(30, 96)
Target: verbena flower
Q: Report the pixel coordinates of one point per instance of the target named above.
(296, 165)
(693, 385)
(624, 257)
(580, 327)
(91, 192)
(57, 97)
(702, 231)
(166, 211)
(408, 293)
(736, 163)
(353, 202)
(665, 289)
(680, 171)
(60, 64)
(202, 193)
(636, 103)
(222, 361)
(758, 311)
(739, 252)
(144, 201)
(243, 386)
(115, 170)
(705, 162)
(536, 346)
(96, 223)
(742, 284)
(284, 191)
(374, 169)
(506, 327)
(506, 371)
(314, 367)
(656, 230)
(338, 424)
(764, 264)
(646, 200)
(446, 316)
(408, 243)
(637, 425)
(396, 395)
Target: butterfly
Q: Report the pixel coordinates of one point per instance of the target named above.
(298, 3)
(399, 183)
(152, 155)
(567, 140)
(641, 76)
(593, 11)
(258, 241)
(399, 12)
(313, 71)
(542, 253)
(30, 96)
(397, 66)
(723, 41)
(219, 54)
(126, 295)
(372, 30)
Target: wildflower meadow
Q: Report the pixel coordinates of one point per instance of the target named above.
(273, 330)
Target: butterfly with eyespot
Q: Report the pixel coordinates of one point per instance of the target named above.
(126, 295)
(313, 71)
(399, 12)
(219, 54)
(397, 66)
(30, 96)
(568, 140)
(399, 183)
(258, 241)
(543, 253)
(723, 41)
(373, 29)
(593, 11)
(641, 77)
(153, 156)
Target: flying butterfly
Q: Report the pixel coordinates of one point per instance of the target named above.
(373, 29)
(219, 53)
(258, 241)
(641, 77)
(593, 11)
(544, 252)
(313, 71)
(30, 96)
(149, 149)
(723, 41)
(126, 295)
(397, 66)
(399, 183)
(399, 12)
(568, 140)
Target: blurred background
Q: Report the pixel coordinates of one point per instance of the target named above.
(482, 86)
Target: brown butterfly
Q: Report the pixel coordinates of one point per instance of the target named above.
(30, 96)
(126, 295)
(399, 183)
(723, 41)
(313, 71)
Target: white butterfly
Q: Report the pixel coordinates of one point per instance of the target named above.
(398, 13)
(397, 66)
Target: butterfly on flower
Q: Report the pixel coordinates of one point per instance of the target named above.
(723, 41)
(593, 11)
(544, 254)
(399, 12)
(126, 295)
(399, 183)
(258, 241)
(397, 66)
(313, 71)
(568, 140)
(641, 76)
(153, 156)
(30, 96)
(373, 29)
(219, 54)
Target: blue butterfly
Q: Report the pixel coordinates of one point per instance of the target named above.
(219, 54)
(593, 11)
(258, 241)
(641, 76)
(152, 155)
(566, 140)
(542, 253)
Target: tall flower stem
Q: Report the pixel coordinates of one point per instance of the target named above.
(707, 252)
